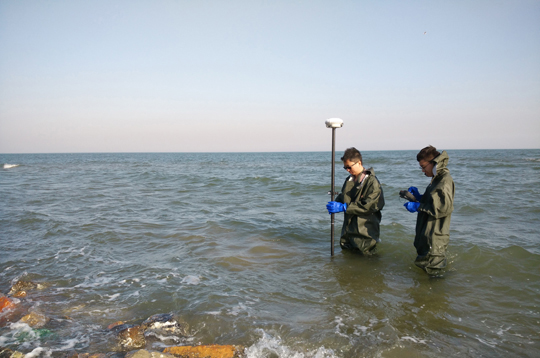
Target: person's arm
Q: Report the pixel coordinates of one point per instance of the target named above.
(340, 198)
(338, 205)
(440, 202)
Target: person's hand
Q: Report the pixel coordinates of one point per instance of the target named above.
(412, 206)
(414, 191)
(335, 207)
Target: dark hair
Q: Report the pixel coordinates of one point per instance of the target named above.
(352, 154)
(428, 154)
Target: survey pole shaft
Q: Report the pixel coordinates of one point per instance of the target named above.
(333, 123)
(332, 190)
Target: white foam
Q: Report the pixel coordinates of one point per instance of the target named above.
(339, 323)
(237, 309)
(37, 352)
(268, 346)
(22, 327)
(412, 339)
(8, 166)
(503, 331)
(98, 282)
(163, 338)
(113, 297)
(367, 330)
(490, 344)
(363, 329)
(70, 343)
(163, 325)
(191, 280)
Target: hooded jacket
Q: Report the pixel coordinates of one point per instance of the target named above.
(364, 201)
(434, 212)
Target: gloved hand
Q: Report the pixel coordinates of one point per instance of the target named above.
(414, 191)
(412, 206)
(335, 207)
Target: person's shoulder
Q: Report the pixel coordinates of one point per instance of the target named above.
(369, 171)
(372, 178)
(443, 179)
(445, 175)
(371, 174)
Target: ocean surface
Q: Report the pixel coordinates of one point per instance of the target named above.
(238, 245)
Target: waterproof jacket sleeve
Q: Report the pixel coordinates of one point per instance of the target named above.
(368, 201)
(341, 198)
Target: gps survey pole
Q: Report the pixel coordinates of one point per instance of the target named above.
(333, 123)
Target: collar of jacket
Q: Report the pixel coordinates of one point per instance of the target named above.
(368, 172)
(441, 161)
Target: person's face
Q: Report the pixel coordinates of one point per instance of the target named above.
(353, 168)
(427, 167)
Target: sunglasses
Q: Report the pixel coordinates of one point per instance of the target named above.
(349, 167)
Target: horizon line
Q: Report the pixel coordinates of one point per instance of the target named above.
(254, 152)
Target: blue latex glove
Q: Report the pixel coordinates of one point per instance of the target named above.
(335, 207)
(412, 206)
(414, 191)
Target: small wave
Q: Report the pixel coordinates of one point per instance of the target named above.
(269, 346)
(413, 339)
(69, 344)
(191, 280)
(19, 332)
(114, 297)
(8, 166)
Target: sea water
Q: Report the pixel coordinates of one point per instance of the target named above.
(238, 245)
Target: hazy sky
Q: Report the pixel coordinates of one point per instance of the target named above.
(226, 75)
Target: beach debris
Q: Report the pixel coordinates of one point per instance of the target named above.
(8, 353)
(210, 351)
(6, 303)
(35, 319)
(73, 309)
(70, 354)
(163, 326)
(74, 354)
(29, 334)
(11, 309)
(21, 288)
(112, 325)
(142, 353)
(130, 336)
(166, 322)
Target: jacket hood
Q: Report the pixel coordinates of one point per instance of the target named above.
(442, 161)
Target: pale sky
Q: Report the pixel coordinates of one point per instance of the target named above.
(263, 76)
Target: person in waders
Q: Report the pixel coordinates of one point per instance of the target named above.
(434, 209)
(361, 199)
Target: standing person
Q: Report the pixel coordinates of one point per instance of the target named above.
(434, 209)
(362, 200)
